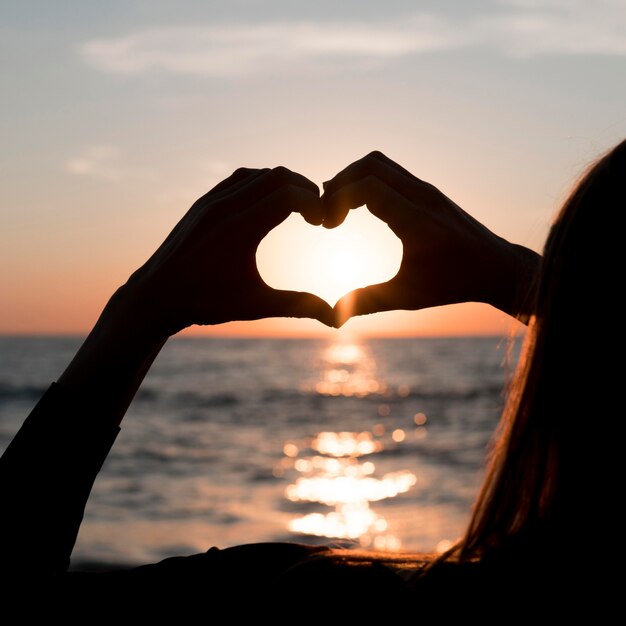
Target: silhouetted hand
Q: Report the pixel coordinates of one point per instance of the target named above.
(448, 257)
(205, 271)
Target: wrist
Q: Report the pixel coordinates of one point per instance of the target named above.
(515, 284)
(119, 346)
(129, 318)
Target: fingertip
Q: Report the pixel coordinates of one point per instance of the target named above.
(324, 313)
(328, 319)
(284, 176)
(313, 217)
(339, 323)
(338, 203)
(302, 304)
(334, 219)
(335, 322)
(344, 308)
(303, 201)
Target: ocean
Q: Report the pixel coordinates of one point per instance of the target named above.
(378, 443)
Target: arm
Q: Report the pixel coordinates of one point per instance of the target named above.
(448, 257)
(203, 273)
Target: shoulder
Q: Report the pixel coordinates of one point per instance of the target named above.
(264, 577)
(218, 569)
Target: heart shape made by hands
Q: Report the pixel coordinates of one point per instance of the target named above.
(329, 263)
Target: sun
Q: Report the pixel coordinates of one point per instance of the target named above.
(360, 252)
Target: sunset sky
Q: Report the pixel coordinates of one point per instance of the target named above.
(115, 116)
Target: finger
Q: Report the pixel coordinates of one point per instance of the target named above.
(237, 181)
(311, 211)
(284, 175)
(269, 181)
(300, 304)
(252, 190)
(373, 163)
(244, 188)
(261, 217)
(389, 162)
(371, 299)
(382, 201)
(239, 175)
(379, 166)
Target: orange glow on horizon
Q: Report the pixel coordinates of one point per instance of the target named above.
(41, 304)
(450, 321)
(50, 306)
(454, 321)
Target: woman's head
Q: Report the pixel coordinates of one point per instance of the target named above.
(583, 252)
(557, 446)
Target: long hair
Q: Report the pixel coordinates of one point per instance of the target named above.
(554, 469)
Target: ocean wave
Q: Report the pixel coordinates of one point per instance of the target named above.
(392, 393)
(452, 393)
(192, 398)
(9, 392)
(441, 454)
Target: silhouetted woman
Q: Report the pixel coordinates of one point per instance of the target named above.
(548, 511)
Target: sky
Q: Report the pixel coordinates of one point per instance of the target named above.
(116, 116)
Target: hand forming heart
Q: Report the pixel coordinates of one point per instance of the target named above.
(447, 255)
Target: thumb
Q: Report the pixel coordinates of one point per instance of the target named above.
(366, 300)
(301, 304)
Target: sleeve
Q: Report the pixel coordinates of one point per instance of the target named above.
(242, 580)
(46, 475)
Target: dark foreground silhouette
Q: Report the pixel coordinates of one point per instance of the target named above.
(546, 524)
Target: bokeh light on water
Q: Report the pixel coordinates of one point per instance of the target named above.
(336, 470)
(349, 370)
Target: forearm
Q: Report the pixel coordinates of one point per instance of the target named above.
(115, 357)
(48, 470)
(46, 475)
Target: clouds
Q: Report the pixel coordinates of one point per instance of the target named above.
(108, 163)
(557, 27)
(235, 49)
(97, 161)
(519, 28)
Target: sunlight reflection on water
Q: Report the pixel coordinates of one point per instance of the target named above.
(349, 370)
(330, 467)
